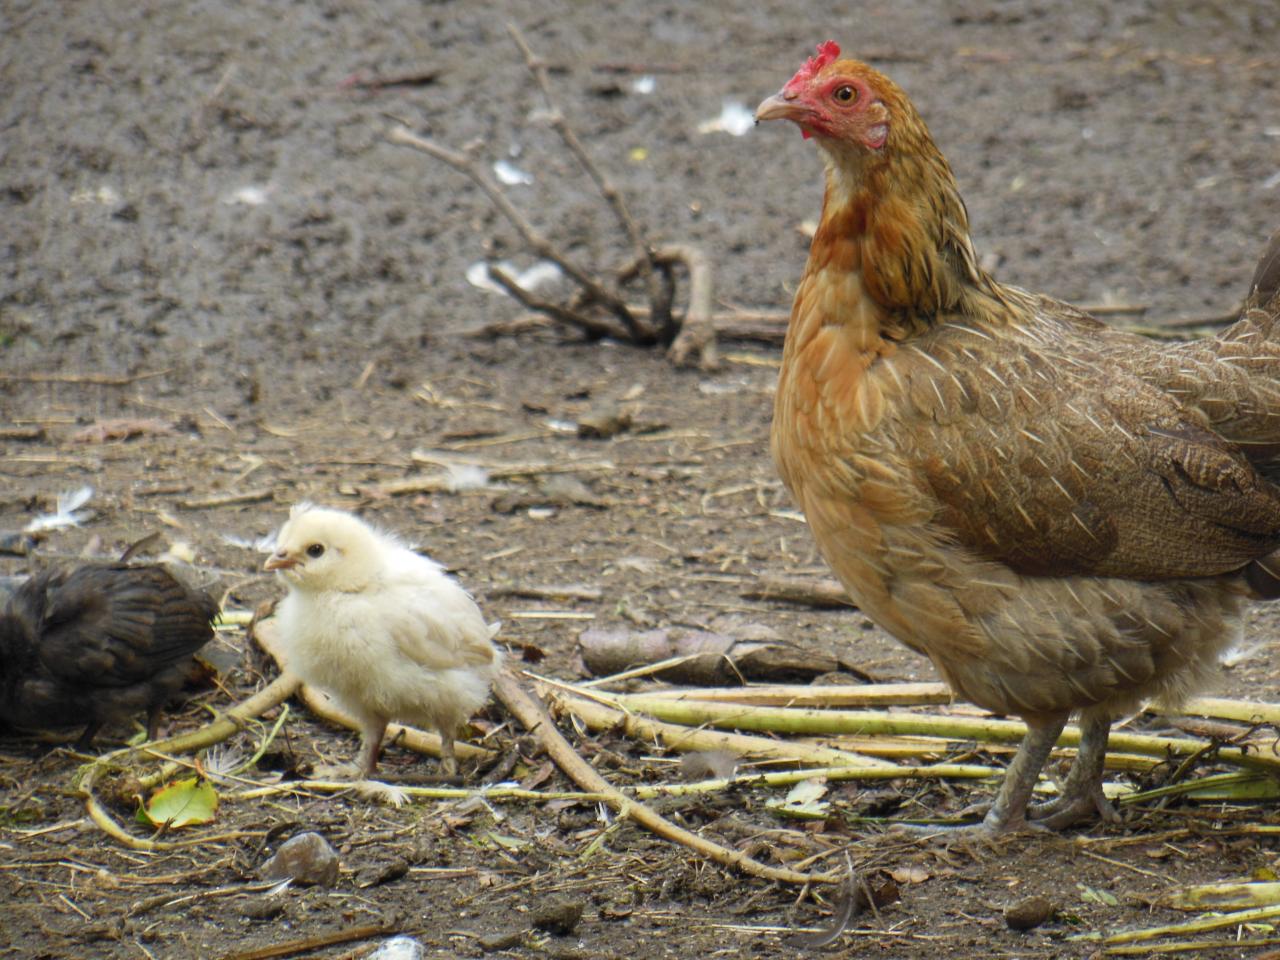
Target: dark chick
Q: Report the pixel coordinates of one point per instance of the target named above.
(97, 644)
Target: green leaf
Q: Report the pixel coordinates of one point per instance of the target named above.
(1094, 895)
(180, 804)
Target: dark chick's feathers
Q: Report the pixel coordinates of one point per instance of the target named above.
(97, 644)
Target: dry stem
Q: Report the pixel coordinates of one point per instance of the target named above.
(534, 716)
(692, 339)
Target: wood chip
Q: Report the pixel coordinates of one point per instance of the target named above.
(227, 499)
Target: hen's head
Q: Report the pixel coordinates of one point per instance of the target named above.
(326, 550)
(839, 100)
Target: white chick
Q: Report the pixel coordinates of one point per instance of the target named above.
(384, 631)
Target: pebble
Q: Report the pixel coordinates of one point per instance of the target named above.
(305, 859)
(375, 874)
(1028, 913)
(492, 942)
(558, 916)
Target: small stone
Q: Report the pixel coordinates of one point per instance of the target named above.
(1028, 913)
(604, 423)
(266, 909)
(402, 947)
(493, 942)
(558, 916)
(305, 859)
(379, 873)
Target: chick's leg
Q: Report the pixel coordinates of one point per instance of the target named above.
(371, 733)
(448, 758)
(1009, 812)
(1081, 795)
(154, 717)
(85, 742)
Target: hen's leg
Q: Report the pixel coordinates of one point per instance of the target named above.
(1081, 795)
(1009, 812)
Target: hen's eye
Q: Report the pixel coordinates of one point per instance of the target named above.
(315, 551)
(845, 94)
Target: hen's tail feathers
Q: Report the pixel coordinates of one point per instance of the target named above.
(1260, 319)
(1265, 286)
(1263, 576)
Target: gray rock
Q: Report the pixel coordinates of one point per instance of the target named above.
(304, 859)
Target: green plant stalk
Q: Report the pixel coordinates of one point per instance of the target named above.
(600, 716)
(928, 694)
(1187, 946)
(1215, 922)
(1223, 786)
(1226, 896)
(892, 723)
(421, 793)
(786, 778)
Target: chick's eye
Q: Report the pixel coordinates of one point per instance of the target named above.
(846, 94)
(315, 551)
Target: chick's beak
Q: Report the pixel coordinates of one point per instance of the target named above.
(782, 106)
(280, 560)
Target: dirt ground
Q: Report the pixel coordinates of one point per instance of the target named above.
(206, 233)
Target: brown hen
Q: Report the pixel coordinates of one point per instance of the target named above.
(1062, 516)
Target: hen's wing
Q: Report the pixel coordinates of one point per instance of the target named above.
(1233, 380)
(114, 624)
(1046, 452)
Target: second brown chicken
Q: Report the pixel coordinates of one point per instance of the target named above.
(1062, 516)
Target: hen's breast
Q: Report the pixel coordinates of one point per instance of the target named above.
(907, 461)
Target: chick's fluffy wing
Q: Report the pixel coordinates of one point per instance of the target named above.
(434, 622)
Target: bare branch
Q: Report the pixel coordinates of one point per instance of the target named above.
(539, 244)
(643, 250)
(532, 714)
(697, 332)
(588, 325)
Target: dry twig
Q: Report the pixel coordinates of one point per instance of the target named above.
(534, 716)
(691, 339)
(643, 251)
(536, 242)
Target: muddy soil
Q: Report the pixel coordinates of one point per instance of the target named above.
(205, 233)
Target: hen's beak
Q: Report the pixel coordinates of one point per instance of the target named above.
(781, 106)
(280, 561)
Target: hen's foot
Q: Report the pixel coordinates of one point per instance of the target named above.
(1074, 807)
(1082, 797)
(988, 828)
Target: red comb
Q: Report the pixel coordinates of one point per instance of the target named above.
(827, 52)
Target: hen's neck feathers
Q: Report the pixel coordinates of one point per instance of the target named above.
(896, 220)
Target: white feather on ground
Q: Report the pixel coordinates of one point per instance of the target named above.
(384, 631)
